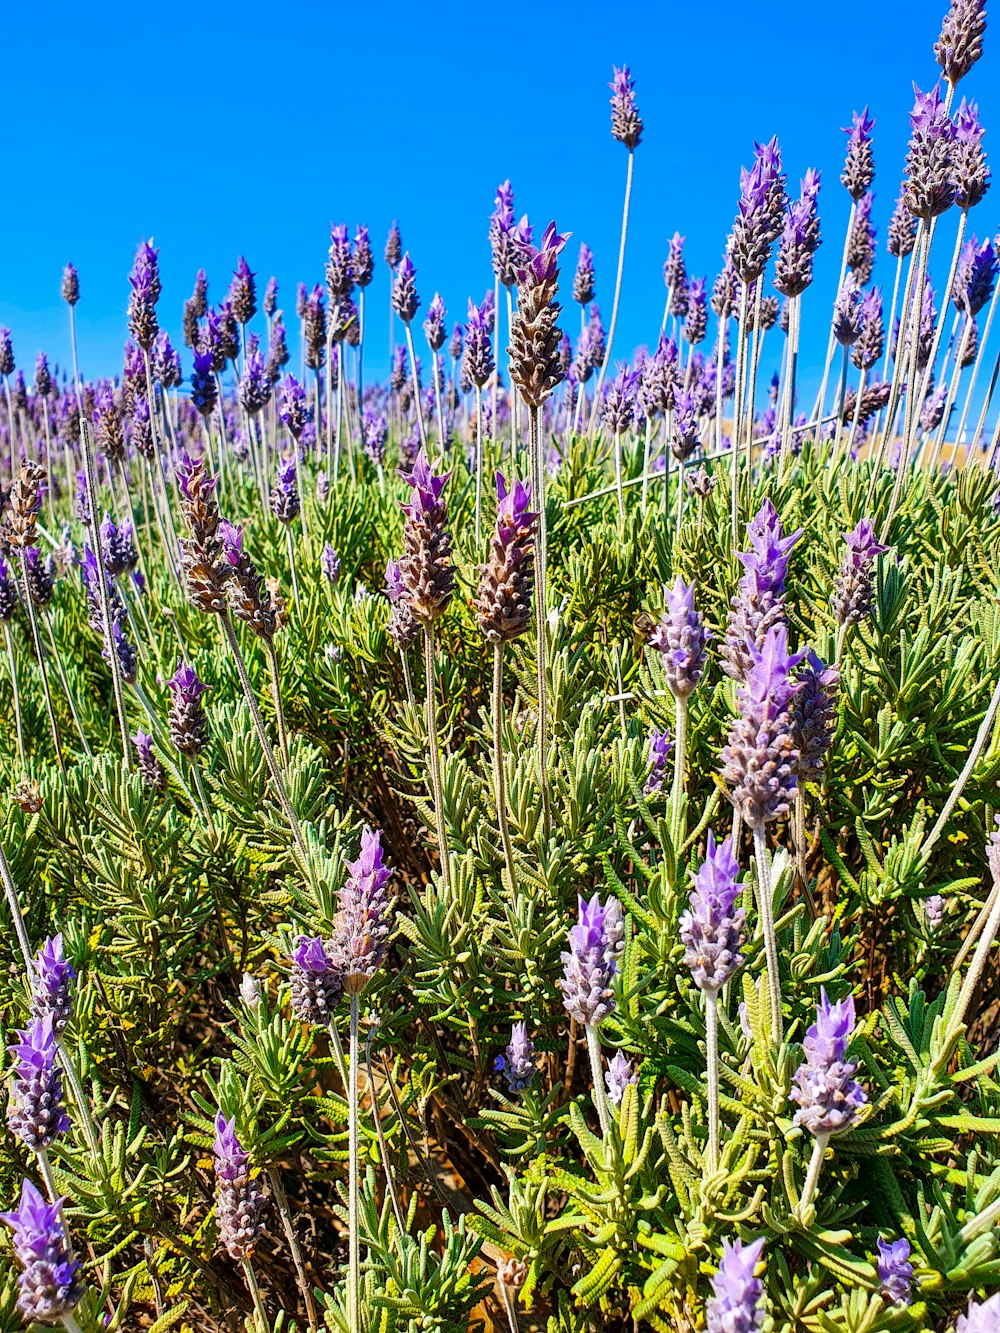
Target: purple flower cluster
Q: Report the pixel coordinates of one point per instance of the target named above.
(48, 1286)
(35, 1112)
(712, 927)
(735, 1306)
(658, 747)
(239, 1201)
(589, 965)
(51, 985)
(361, 930)
(895, 1272)
(759, 601)
(517, 1064)
(681, 639)
(617, 1077)
(853, 593)
(827, 1096)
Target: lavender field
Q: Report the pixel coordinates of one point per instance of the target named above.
(516, 846)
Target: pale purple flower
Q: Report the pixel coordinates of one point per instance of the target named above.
(35, 1112)
(517, 1064)
(239, 1201)
(735, 1305)
(51, 984)
(681, 639)
(658, 747)
(316, 982)
(48, 1286)
(895, 1272)
(589, 965)
(712, 927)
(361, 930)
(617, 1077)
(827, 1096)
(626, 123)
(981, 1317)
(329, 563)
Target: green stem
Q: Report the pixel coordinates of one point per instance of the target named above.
(765, 903)
(500, 779)
(354, 1185)
(815, 1166)
(597, 1077)
(263, 1324)
(18, 722)
(434, 752)
(712, 1065)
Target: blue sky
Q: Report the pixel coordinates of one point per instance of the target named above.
(222, 129)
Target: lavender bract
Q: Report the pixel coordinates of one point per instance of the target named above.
(589, 965)
(827, 1096)
(48, 1285)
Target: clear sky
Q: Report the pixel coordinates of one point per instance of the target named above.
(222, 129)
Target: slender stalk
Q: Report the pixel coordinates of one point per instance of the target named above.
(102, 579)
(788, 410)
(70, 1324)
(978, 745)
(17, 694)
(434, 754)
(618, 291)
(13, 903)
(500, 773)
(513, 397)
(618, 474)
(765, 903)
(291, 563)
(261, 1319)
(279, 712)
(417, 407)
(479, 461)
(410, 696)
(33, 621)
(712, 1064)
(80, 1100)
(645, 464)
(737, 435)
(978, 362)
(831, 342)
(680, 767)
(541, 647)
(354, 1184)
(265, 744)
(912, 406)
(815, 1166)
(60, 671)
(597, 1077)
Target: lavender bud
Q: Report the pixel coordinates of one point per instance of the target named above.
(981, 1317)
(895, 1272)
(589, 965)
(618, 1075)
(517, 1064)
(870, 342)
(696, 323)
(814, 715)
(583, 278)
(405, 300)
(859, 166)
(393, 246)
(330, 564)
(534, 341)
(861, 241)
(933, 911)
(735, 1306)
(362, 925)
(674, 271)
(827, 1096)
(48, 1286)
(854, 594)
(759, 601)
(658, 746)
(70, 285)
(681, 639)
(187, 719)
(426, 564)
(204, 390)
(619, 405)
(250, 991)
(902, 232)
(50, 985)
(375, 434)
(847, 312)
(239, 1201)
(255, 383)
(434, 329)
(626, 123)
(285, 503)
(975, 276)
(150, 768)
(292, 406)
(477, 355)
(316, 984)
(712, 928)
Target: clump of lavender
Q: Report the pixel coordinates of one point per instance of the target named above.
(854, 592)
(51, 985)
(517, 1064)
(149, 766)
(735, 1305)
(187, 720)
(658, 747)
(48, 1286)
(759, 601)
(239, 1201)
(824, 1089)
(35, 1112)
(617, 1077)
(895, 1272)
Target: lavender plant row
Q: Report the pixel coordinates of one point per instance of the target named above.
(513, 846)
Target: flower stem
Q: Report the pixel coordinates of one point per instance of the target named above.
(263, 1323)
(416, 385)
(712, 1064)
(815, 1166)
(17, 695)
(978, 745)
(540, 637)
(33, 621)
(279, 712)
(597, 1077)
(354, 1238)
(765, 903)
(618, 291)
(434, 753)
(500, 779)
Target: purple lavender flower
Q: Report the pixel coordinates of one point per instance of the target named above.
(696, 321)
(969, 168)
(895, 1272)
(150, 768)
(760, 762)
(393, 246)
(316, 982)
(405, 300)
(293, 408)
(375, 434)
(517, 1064)
(759, 600)
(51, 984)
(929, 189)
(827, 1096)
(6, 353)
(477, 355)
(583, 278)
(735, 1306)
(853, 593)
(255, 383)
(934, 911)
(975, 276)
(961, 42)
(187, 719)
(362, 258)
(814, 715)
(329, 563)
(434, 327)
(426, 562)
(981, 1317)
(204, 390)
(278, 354)
(145, 283)
(35, 1112)
(619, 405)
(681, 639)
(658, 746)
(70, 289)
(239, 1201)
(339, 264)
(712, 928)
(861, 240)
(658, 380)
(847, 312)
(902, 230)
(166, 362)
(870, 342)
(617, 1077)
(589, 965)
(674, 270)
(285, 503)
(859, 166)
(48, 1283)
(362, 925)
(242, 295)
(626, 123)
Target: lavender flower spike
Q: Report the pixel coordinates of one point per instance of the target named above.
(35, 1111)
(362, 925)
(316, 983)
(681, 639)
(426, 564)
(50, 986)
(853, 593)
(517, 1064)
(712, 928)
(895, 1272)
(626, 123)
(589, 966)
(736, 1293)
(48, 1285)
(658, 746)
(617, 1077)
(828, 1098)
(239, 1200)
